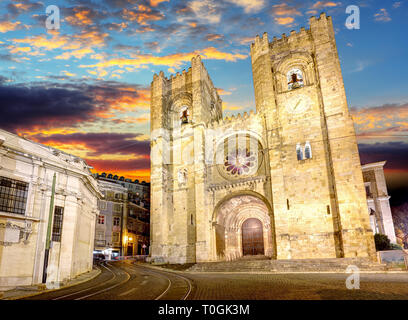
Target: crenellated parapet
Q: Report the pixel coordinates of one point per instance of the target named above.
(239, 120)
(261, 45)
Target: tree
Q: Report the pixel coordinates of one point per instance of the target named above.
(382, 242)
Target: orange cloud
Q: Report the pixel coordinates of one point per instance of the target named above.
(223, 92)
(41, 41)
(142, 15)
(81, 17)
(6, 26)
(325, 4)
(284, 10)
(213, 37)
(67, 73)
(143, 118)
(141, 174)
(129, 99)
(173, 60)
(386, 120)
(14, 49)
(77, 45)
(284, 20)
(154, 3)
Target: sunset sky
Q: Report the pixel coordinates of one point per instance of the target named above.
(85, 87)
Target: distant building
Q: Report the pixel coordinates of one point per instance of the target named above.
(28, 199)
(123, 225)
(378, 200)
(138, 230)
(108, 231)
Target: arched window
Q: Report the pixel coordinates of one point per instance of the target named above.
(299, 152)
(308, 151)
(295, 79)
(184, 114)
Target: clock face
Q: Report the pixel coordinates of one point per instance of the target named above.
(299, 103)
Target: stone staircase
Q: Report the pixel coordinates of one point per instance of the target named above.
(302, 265)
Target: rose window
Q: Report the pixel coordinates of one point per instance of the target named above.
(240, 162)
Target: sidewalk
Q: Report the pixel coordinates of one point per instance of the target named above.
(28, 291)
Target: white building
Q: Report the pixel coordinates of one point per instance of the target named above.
(378, 200)
(27, 171)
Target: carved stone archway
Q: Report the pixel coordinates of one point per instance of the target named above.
(227, 225)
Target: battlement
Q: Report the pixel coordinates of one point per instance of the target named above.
(179, 79)
(233, 119)
(261, 44)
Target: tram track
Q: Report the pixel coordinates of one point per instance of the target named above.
(124, 280)
(168, 275)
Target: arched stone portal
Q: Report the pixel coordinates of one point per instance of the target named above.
(228, 219)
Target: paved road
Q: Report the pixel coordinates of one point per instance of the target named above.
(126, 281)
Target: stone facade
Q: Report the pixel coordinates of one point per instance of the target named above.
(26, 178)
(293, 165)
(379, 209)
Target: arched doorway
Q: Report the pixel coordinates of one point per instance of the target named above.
(252, 237)
(230, 220)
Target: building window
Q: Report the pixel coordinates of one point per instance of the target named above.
(299, 152)
(102, 205)
(116, 221)
(117, 208)
(115, 237)
(308, 151)
(101, 219)
(13, 195)
(368, 191)
(57, 224)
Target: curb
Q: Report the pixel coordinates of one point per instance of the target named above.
(289, 272)
(272, 272)
(51, 290)
(162, 269)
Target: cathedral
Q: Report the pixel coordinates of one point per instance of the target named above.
(284, 182)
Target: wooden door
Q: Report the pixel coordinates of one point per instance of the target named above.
(252, 237)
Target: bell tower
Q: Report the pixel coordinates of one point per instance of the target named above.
(181, 108)
(317, 184)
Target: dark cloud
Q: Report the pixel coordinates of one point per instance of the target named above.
(120, 3)
(101, 143)
(129, 48)
(399, 196)
(48, 105)
(40, 107)
(395, 153)
(153, 45)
